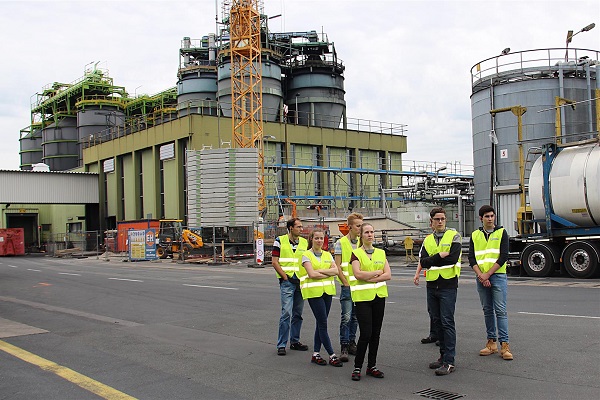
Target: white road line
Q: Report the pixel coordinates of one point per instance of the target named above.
(212, 287)
(13, 266)
(128, 280)
(66, 273)
(34, 270)
(558, 315)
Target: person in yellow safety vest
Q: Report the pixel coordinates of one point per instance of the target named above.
(488, 254)
(343, 252)
(318, 287)
(286, 259)
(369, 290)
(440, 254)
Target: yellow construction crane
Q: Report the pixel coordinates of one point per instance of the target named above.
(246, 83)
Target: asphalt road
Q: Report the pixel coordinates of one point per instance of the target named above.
(70, 328)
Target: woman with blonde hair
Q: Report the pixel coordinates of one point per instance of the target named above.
(318, 287)
(370, 270)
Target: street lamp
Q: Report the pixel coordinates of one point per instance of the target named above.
(570, 35)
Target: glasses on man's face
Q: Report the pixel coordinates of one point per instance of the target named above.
(439, 219)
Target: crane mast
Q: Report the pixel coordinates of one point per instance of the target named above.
(246, 83)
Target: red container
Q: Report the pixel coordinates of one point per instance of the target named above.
(124, 226)
(12, 242)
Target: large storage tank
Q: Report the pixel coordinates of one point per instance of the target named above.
(574, 185)
(315, 89)
(31, 148)
(60, 145)
(95, 121)
(531, 79)
(272, 93)
(197, 84)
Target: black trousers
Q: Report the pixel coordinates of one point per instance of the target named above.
(370, 317)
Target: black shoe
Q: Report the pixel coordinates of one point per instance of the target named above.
(356, 374)
(352, 348)
(298, 346)
(281, 351)
(428, 339)
(374, 372)
(445, 369)
(436, 364)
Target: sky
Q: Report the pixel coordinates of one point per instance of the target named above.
(406, 62)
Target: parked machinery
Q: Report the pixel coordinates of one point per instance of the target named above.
(173, 239)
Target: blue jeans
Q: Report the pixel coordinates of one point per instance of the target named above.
(441, 304)
(292, 305)
(348, 323)
(320, 307)
(493, 301)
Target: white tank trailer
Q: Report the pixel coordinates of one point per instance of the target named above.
(564, 193)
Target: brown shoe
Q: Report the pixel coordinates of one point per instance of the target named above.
(344, 353)
(491, 347)
(505, 351)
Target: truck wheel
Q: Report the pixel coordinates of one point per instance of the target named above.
(581, 259)
(161, 253)
(537, 260)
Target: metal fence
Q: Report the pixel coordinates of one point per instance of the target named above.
(75, 244)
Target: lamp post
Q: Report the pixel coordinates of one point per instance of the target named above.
(570, 35)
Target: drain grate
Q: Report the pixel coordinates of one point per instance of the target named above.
(438, 394)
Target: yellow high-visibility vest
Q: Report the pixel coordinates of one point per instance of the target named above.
(310, 287)
(289, 259)
(445, 271)
(363, 290)
(488, 251)
(346, 255)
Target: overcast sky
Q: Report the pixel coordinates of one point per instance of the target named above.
(406, 61)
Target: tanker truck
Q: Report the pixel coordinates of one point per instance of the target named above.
(564, 195)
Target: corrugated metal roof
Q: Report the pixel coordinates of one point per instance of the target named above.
(55, 187)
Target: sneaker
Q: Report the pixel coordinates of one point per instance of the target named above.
(335, 361)
(436, 364)
(356, 374)
(317, 359)
(352, 348)
(428, 339)
(298, 346)
(445, 369)
(281, 351)
(374, 372)
(344, 353)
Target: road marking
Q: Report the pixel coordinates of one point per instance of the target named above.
(34, 270)
(212, 287)
(558, 315)
(13, 266)
(66, 273)
(77, 313)
(85, 382)
(128, 280)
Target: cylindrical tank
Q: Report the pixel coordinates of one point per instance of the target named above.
(574, 185)
(60, 145)
(94, 121)
(31, 149)
(532, 79)
(272, 93)
(316, 88)
(197, 84)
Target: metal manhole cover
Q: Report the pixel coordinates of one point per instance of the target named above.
(439, 394)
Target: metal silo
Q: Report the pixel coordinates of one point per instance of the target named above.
(60, 145)
(197, 84)
(95, 120)
(272, 93)
(315, 89)
(31, 147)
(540, 85)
